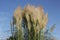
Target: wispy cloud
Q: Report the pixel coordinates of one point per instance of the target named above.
(4, 24)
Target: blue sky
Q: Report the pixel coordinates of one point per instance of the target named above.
(7, 8)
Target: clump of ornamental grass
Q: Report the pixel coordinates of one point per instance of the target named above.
(36, 21)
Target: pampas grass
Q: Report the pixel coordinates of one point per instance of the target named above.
(36, 21)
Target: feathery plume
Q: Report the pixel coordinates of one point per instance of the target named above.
(17, 16)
